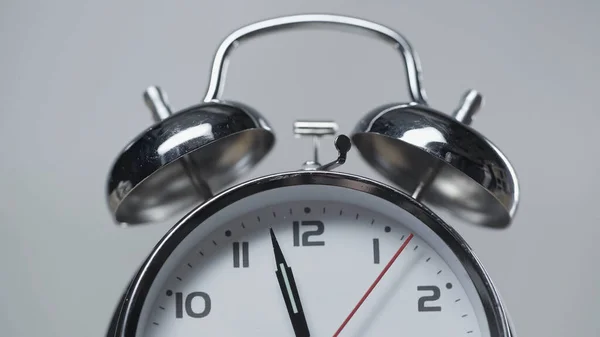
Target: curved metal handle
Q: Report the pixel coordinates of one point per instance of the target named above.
(411, 60)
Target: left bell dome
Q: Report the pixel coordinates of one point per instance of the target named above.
(184, 157)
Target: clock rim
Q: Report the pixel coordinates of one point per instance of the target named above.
(126, 317)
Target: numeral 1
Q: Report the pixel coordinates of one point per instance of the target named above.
(244, 255)
(376, 251)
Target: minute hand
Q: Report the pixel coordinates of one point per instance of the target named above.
(287, 284)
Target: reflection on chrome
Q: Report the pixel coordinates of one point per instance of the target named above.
(423, 137)
(183, 136)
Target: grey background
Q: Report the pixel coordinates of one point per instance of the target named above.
(70, 93)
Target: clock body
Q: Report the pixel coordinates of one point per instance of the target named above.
(361, 259)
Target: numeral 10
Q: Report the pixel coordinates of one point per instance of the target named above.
(189, 310)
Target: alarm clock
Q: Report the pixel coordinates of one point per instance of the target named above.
(313, 251)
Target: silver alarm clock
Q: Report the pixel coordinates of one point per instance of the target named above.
(313, 251)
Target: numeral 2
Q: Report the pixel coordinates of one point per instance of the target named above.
(307, 234)
(434, 297)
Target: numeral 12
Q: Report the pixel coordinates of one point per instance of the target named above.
(308, 233)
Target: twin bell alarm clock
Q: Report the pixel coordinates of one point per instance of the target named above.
(312, 251)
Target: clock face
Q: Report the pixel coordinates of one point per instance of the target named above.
(312, 259)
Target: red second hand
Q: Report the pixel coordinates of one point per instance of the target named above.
(362, 300)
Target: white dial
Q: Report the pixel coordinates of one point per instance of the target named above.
(339, 262)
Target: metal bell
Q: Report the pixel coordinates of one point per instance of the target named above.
(184, 157)
(441, 160)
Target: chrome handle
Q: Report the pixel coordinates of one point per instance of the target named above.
(411, 60)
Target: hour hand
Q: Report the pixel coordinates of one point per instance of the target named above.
(287, 284)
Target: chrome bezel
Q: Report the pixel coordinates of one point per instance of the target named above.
(126, 318)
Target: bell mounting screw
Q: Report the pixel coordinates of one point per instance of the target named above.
(158, 103)
(470, 103)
